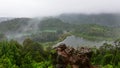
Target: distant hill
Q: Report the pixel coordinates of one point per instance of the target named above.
(54, 24)
(61, 22)
(13, 24)
(101, 19)
(4, 19)
(91, 27)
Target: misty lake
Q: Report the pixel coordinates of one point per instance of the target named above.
(78, 42)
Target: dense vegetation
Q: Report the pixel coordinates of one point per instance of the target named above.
(108, 55)
(39, 55)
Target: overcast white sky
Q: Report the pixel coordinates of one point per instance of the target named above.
(35, 8)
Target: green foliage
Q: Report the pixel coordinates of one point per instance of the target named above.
(41, 55)
(108, 66)
(14, 55)
(107, 59)
(108, 55)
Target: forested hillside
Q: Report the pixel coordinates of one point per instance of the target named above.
(107, 19)
(23, 27)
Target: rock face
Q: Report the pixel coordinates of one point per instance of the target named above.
(76, 57)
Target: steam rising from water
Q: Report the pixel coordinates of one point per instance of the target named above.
(24, 31)
(32, 26)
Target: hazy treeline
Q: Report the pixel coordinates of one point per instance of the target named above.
(79, 25)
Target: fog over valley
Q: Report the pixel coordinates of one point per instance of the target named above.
(83, 29)
(55, 21)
